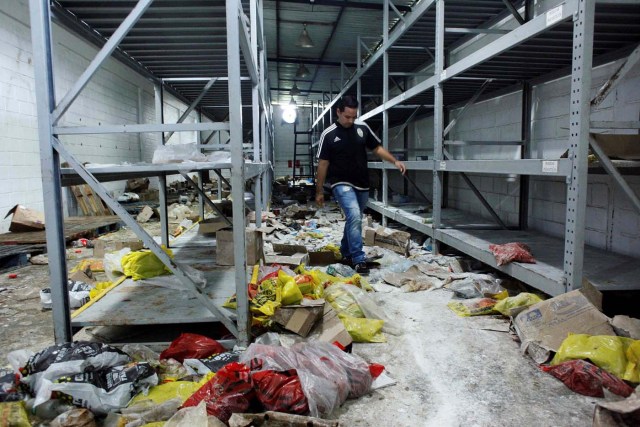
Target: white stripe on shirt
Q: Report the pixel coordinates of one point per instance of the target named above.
(326, 131)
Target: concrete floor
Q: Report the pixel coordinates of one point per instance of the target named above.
(450, 371)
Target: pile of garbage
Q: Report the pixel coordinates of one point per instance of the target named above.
(195, 381)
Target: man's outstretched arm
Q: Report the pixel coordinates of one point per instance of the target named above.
(381, 152)
(323, 166)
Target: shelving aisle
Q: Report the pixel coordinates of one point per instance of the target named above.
(238, 58)
(483, 50)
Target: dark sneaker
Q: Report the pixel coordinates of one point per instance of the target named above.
(347, 261)
(361, 268)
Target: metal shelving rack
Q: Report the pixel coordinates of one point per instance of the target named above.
(243, 49)
(506, 61)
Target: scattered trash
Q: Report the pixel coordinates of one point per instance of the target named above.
(41, 259)
(12, 275)
(78, 295)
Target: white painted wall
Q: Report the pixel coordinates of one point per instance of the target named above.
(110, 97)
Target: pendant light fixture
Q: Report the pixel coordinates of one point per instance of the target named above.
(304, 40)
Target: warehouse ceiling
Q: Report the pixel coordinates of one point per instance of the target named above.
(187, 39)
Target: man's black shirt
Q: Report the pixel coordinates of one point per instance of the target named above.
(345, 149)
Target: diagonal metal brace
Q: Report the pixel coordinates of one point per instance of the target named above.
(205, 198)
(187, 282)
(479, 195)
(608, 166)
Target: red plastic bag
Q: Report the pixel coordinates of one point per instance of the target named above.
(230, 391)
(586, 378)
(192, 346)
(514, 251)
(280, 391)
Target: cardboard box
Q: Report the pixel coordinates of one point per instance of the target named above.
(544, 326)
(288, 249)
(145, 214)
(395, 240)
(300, 318)
(626, 147)
(331, 329)
(224, 247)
(293, 259)
(322, 258)
(82, 276)
(25, 219)
(212, 225)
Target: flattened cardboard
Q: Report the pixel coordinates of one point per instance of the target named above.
(300, 318)
(212, 225)
(25, 219)
(626, 326)
(134, 245)
(543, 326)
(331, 329)
(81, 276)
(253, 243)
(293, 259)
(287, 249)
(395, 240)
(626, 147)
(322, 258)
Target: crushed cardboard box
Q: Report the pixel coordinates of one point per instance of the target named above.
(293, 259)
(300, 318)
(224, 247)
(25, 219)
(626, 326)
(543, 327)
(395, 240)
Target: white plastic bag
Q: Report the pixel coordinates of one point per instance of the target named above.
(113, 263)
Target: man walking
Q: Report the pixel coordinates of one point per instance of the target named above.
(343, 164)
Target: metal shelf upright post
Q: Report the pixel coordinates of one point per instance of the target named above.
(239, 39)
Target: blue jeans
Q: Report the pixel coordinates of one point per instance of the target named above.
(352, 202)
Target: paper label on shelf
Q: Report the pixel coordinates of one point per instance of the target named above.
(554, 15)
(443, 75)
(443, 166)
(550, 166)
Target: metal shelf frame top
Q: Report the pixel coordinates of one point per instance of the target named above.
(506, 50)
(128, 29)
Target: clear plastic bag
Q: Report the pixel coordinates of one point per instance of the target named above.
(177, 153)
(470, 285)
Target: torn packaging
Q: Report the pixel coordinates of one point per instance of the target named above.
(543, 327)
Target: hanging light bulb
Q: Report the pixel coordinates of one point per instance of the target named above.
(294, 90)
(304, 40)
(302, 71)
(293, 103)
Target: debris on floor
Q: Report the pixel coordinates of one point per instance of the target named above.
(315, 323)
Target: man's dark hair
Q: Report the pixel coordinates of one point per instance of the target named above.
(347, 101)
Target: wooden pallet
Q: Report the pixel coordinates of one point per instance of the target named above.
(90, 203)
(74, 228)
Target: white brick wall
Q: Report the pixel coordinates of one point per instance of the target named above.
(111, 97)
(611, 221)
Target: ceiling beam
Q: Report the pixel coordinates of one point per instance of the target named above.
(289, 60)
(347, 4)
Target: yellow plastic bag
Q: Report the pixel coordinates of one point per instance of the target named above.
(13, 414)
(144, 264)
(98, 289)
(163, 392)
(473, 307)
(511, 306)
(616, 355)
(290, 291)
(363, 330)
